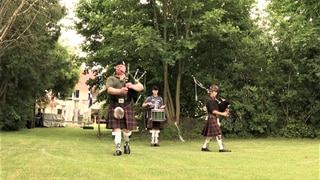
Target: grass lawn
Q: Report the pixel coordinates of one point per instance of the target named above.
(74, 153)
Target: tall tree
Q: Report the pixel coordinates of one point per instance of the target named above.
(181, 37)
(31, 59)
(296, 63)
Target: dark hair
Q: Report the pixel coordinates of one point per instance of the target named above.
(120, 63)
(155, 88)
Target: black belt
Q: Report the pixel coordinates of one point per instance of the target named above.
(116, 102)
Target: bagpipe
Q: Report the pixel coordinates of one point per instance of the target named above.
(101, 75)
(222, 103)
(134, 95)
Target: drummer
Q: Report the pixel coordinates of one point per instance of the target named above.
(154, 102)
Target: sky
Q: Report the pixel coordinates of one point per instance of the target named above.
(69, 37)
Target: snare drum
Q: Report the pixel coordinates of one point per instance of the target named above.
(158, 115)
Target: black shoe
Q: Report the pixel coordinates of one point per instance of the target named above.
(126, 148)
(155, 145)
(117, 153)
(205, 149)
(224, 150)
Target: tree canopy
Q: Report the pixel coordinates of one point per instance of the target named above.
(31, 59)
(268, 67)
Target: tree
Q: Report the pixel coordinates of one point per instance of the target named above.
(31, 59)
(178, 36)
(295, 61)
(9, 12)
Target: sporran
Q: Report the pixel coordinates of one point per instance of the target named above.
(118, 113)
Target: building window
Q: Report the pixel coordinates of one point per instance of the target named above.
(76, 94)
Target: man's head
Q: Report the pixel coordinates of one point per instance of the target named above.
(155, 90)
(214, 88)
(120, 67)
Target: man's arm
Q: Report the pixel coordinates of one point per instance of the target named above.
(136, 87)
(114, 91)
(147, 102)
(216, 112)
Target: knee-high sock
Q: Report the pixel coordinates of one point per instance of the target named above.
(126, 136)
(117, 139)
(156, 136)
(206, 142)
(152, 132)
(219, 140)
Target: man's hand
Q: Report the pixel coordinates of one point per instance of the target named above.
(218, 122)
(226, 114)
(129, 85)
(124, 90)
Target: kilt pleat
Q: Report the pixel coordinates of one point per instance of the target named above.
(128, 121)
(211, 128)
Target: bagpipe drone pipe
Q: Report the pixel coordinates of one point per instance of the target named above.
(222, 103)
(132, 94)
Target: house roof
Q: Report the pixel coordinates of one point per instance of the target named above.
(81, 85)
(53, 102)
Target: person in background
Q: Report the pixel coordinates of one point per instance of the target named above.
(154, 102)
(39, 119)
(121, 115)
(212, 127)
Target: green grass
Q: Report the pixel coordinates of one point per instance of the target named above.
(74, 153)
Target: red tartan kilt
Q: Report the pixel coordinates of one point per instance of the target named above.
(211, 128)
(128, 122)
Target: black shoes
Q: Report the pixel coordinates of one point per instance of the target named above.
(154, 145)
(221, 150)
(126, 148)
(117, 153)
(224, 150)
(205, 149)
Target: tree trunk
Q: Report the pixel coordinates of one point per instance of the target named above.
(4, 90)
(178, 89)
(167, 97)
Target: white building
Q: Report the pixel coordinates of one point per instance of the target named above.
(75, 109)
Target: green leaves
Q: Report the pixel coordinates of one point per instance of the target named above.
(267, 71)
(31, 60)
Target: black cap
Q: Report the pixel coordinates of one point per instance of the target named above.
(121, 63)
(155, 88)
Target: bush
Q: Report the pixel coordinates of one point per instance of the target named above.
(298, 130)
(12, 120)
